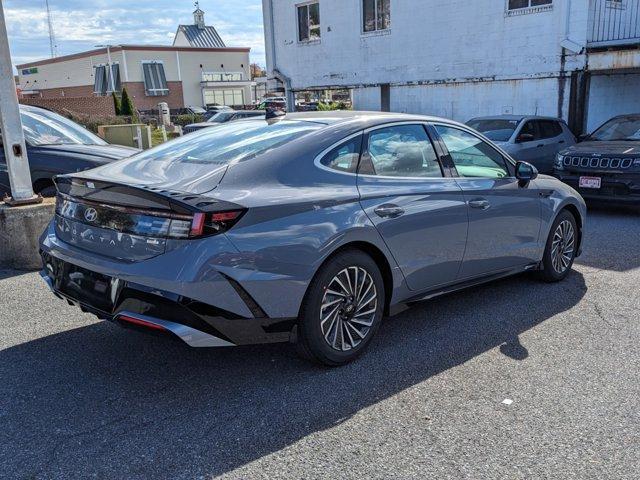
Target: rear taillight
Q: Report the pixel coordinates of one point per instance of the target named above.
(204, 224)
(212, 223)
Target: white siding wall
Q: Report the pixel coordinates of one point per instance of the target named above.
(612, 95)
(464, 44)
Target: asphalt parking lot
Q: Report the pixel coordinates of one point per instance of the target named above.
(83, 398)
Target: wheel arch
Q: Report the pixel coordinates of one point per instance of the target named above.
(378, 257)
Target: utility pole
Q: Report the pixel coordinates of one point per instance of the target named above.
(15, 149)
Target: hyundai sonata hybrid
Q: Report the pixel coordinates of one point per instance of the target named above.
(308, 228)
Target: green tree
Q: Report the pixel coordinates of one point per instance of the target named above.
(116, 104)
(127, 107)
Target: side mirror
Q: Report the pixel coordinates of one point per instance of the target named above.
(525, 172)
(583, 137)
(525, 137)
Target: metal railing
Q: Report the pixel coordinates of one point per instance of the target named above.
(614, 22)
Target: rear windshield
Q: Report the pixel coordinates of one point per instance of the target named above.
(230, 142)
(618, 129)
(498, 130)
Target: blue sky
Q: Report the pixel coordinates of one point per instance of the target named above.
(81, 24)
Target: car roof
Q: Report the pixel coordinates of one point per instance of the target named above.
(517, 117)
(364, 118)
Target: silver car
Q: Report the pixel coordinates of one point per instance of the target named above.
(309, 227)
(532, 139)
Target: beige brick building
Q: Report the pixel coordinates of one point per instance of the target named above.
(198, 69)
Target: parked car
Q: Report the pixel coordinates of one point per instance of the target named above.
(276, 103)
(213, 109)
(57, 145)
(222, 117)
(532, 139)
(605, 165)
(308, 228)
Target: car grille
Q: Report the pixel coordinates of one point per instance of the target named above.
(600, 163)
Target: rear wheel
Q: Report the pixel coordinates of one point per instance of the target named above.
(342, 309)
(561, 248)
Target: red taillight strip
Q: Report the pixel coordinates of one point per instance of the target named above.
(197, 225)
(142, 323)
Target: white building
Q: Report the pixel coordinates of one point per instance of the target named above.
(198, 69)
(578, 59)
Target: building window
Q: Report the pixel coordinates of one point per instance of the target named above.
(522, 6)
(376, 15)
(308, 22)
(230, 97)
(102, 84)
(155, 81)
(222, 77)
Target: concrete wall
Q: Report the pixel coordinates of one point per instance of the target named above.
(431, 43)
(612, 95)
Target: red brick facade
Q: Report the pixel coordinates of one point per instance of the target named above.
(135, 90)
(102, 106)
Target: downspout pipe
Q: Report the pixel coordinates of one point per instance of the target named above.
(277, 74)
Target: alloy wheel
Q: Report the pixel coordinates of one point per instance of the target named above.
(348, 309)
(563, 246)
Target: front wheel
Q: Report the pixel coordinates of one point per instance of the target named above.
(342, 309)
(561, 248)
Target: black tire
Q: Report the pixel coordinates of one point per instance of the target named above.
(48, 192)
(549, 272)
(312, 343)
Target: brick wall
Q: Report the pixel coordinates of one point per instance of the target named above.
(82, 105)
(143, 102)
(81, 91)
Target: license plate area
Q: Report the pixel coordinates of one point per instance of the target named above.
(89, 288)
(590, 182)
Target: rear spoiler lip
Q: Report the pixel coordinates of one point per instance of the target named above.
(169, 202)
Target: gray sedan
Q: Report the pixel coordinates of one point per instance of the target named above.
(532, 139)
(306, 228)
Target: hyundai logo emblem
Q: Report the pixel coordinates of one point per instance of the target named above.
(90, 214)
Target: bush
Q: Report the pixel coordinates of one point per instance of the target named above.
(127, 107)
(183, 120)
(323, 107)
(117, 104)
(92, 122)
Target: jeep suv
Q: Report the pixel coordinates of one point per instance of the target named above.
(606, 164)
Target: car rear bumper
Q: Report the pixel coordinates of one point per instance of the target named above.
(615, 188)
(132, 305)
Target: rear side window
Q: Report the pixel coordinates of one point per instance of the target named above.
(344, 158)
(549, 128)
(229, 142)
(472, 156)
(402, 151)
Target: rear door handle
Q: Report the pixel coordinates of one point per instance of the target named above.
(479, 203)
(541, 145)
(561, 141)
(389, 210)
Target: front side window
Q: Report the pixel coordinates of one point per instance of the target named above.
(549, 128)
(472, 157)
(529, 132)
(403, 151)
(344, 158)
(624, 128)
(155, 80)
(519, 4)
(42, 127)
(376, 15)
(308, 22)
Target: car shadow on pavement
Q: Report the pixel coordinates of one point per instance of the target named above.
(113, 403)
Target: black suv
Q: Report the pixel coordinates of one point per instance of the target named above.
(606, 164)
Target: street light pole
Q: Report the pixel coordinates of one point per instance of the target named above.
(15, 149)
